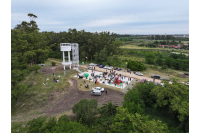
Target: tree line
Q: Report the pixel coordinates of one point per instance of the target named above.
(175, 61)
(146, 108)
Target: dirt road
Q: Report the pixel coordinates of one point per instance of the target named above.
(119, 72)
(124, 73)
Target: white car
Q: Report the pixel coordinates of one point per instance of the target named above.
(106, 67)
(92, 64)
(138, 73)
(110, 68)
(90, 67)
(98, 88)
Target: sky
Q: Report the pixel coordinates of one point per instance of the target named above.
(118, 16)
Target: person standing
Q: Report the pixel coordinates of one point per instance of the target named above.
(106, 91)
(94, 68)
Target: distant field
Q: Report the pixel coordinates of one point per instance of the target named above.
(179, 53)
(133, 46)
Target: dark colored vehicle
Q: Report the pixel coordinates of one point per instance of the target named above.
(165, 79)
(128, 70)
(119, 69)
(135, 72)
(156, 76)
(105, 73)
(143, 81)
(101, 66)
(186, 74)
(80, 77)
(98, 65)
(115, 68)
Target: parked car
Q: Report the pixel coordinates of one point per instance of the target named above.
(139, 74)
(119, 69)
(156, 83)
(96, 92)
(143, 81)
(165, 79)
(156, 76)
(135, 72)
(186, 74)
(90, 67)
(106, 67)
(128, 70)
(115, 68)
(98, 88)
(148, 81)
(162, 84)
(98, 65)
(92, 64)
(101, 66)
(110, 68)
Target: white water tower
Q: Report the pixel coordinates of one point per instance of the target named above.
(67, 47)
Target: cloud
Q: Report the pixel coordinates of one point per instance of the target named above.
(102, 15)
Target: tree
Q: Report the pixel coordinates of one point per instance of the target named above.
(85, 110)
(144, 91)
(109, 109)
(176, 96)
(127, 122)
(28, 48)
(133, 102)
(135, 65)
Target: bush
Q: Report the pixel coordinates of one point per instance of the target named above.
(86, 110)
(135, 66)
(53, 63)
(164, 67)
(35, 125)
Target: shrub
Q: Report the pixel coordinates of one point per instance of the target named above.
(35, 125)
(86, 110)
(164, 67)
(135, 66)
(53, 63)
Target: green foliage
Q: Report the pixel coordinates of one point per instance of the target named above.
(70, 127)
(150, 57)
(53, 63)
(109, 109)
(164, 67)
(28, 48)
(145, 90)
(64, 118)
(176, 95)
(86, 110)
(133, 102)
(125, 39)
(49, 125)
(127, 122)
(114, 61)
(35, 125)
(135, 65)
(159, 61)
